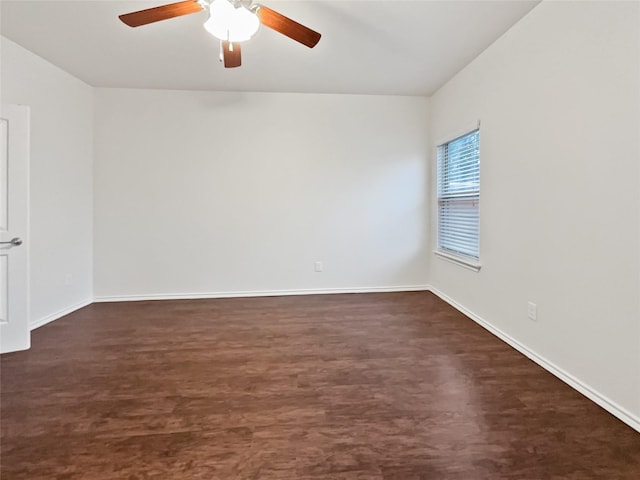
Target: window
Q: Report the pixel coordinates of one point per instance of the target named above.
(459, 197)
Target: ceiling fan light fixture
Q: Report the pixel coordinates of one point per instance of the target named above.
(234, 24)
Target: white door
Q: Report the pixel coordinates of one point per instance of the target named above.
(14, 209)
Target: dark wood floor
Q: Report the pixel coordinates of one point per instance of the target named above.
(394, 386)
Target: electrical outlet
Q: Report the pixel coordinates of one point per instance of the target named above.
(318, 266)
(532, 311)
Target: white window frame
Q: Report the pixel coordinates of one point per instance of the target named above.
(466, 260)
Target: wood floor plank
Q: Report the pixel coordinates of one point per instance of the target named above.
(393, 386)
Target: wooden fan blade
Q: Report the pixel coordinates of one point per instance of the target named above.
(232, 57)
(286, 26)
(164, 12)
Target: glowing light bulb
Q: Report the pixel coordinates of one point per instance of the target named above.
(227, 22)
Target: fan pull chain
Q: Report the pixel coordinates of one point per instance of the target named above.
(229, 40)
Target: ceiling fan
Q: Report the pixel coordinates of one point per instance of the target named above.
(231, 21)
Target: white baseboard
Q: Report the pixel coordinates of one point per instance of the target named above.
(54, 316)
(258, 293)
(593, 395)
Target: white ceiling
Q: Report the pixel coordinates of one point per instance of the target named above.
(367, 46)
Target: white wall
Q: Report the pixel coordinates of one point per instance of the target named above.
(202, 193)
(61, 228)
(558, 98)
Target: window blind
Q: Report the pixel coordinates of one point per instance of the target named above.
(459, 195)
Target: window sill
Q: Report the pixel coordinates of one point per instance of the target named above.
(468, 263)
